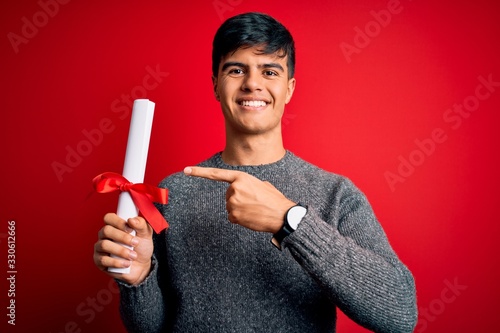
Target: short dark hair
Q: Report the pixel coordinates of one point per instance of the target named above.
(249, 30)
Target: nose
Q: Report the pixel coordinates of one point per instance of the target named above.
(252, 81)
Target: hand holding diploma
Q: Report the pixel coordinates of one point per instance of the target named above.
(116, 232)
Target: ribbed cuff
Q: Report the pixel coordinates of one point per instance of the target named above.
(312, 234)
(147, 288)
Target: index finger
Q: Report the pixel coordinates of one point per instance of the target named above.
(224, 175)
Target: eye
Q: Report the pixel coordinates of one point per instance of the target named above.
(236, 71)
(270, 73)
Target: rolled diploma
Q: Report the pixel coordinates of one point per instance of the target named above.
(135, 160)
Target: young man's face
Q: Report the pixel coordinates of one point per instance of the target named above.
(253, 89)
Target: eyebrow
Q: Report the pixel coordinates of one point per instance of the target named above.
(239, 64)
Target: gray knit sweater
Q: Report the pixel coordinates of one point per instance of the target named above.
(213, 276)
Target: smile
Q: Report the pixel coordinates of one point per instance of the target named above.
(253, 103)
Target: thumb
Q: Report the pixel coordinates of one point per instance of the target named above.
(142, 228)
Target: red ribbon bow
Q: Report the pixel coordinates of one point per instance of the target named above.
(143, 196)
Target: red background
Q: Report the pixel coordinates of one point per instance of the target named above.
(358, 118)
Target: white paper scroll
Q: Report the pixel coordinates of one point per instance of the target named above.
(135, 159)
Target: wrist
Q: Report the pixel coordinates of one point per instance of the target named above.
(278, 219)
(145, 269)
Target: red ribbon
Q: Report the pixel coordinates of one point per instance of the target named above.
(143, 196)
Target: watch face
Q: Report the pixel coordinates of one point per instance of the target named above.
(295, 215)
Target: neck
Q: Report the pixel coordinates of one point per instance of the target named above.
(253, 149)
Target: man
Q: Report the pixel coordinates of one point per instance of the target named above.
(205, 274)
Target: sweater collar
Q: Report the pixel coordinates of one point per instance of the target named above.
(217, 162)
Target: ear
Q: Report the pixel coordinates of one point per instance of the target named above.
(290, 89)
(215, 85)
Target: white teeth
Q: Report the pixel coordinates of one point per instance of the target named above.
(253, 103)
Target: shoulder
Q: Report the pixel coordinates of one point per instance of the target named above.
(326, 187)
(335, 197)
(318, 176)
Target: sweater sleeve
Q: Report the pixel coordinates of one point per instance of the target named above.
(143, 307)
(350, 258)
